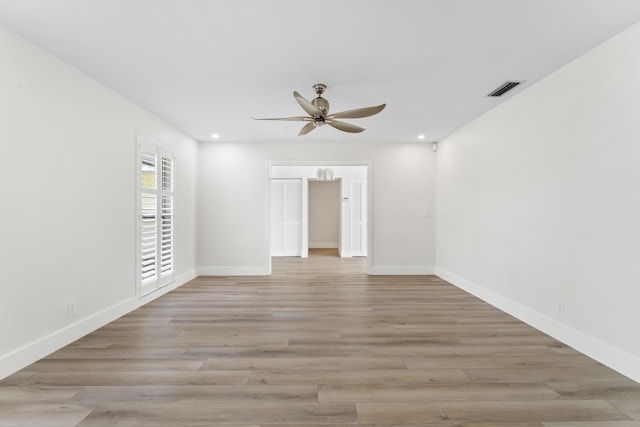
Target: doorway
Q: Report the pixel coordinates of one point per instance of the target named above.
(353, 200)
(324, 216)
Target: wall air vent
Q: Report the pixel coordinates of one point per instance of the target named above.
(504, 88)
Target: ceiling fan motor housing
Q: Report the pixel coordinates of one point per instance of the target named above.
(321, 104)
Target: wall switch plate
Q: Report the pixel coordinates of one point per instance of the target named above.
(71, 308)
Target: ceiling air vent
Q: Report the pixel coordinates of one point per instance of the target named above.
(504, 88)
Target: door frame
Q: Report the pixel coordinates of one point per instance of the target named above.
(318, 163)
(308, 221)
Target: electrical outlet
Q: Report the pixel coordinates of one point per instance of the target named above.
(71, 308)
(560, 307)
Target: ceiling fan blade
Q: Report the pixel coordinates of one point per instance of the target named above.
(307, 128)
(345, 127)
(311, 109)
(290, 119)
(358, 112)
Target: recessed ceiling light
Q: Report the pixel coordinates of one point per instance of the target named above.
(215, 136)
(420, 136)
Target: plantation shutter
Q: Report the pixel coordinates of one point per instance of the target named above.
(165, 235)
(155, 217)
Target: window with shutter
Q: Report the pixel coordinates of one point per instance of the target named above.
(155, 217)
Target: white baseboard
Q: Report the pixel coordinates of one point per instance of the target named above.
(613, 357)
(257, 270)
(333, 245)
(359, 253)
(36, 350)
(402, 270)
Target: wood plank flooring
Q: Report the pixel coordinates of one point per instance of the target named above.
(319, 343)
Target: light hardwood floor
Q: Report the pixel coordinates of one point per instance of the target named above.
(318, 343)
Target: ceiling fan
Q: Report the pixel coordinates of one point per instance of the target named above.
(318, 113)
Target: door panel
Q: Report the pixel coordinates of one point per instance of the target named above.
(359, 218)
(286, 217)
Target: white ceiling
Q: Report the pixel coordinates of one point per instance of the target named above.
(208, 65)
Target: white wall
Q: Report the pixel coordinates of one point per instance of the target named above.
(233, 202)
(68, 202)
(538, 203)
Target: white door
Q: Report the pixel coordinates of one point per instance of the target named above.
(358, 218)
(286, 217)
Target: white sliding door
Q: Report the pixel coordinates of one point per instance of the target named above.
(286, 217)
(358, 218)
